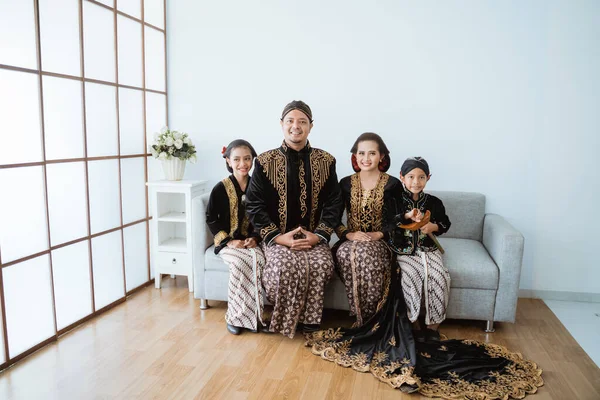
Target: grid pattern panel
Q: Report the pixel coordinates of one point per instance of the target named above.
(67, 202)
(72, 283)
(63, 136)
(74, 227)
(29, 313)
(23, 230)
(17, 35)
(60, 47)
(19, 114)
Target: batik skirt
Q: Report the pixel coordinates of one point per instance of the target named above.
(294, 281)
(362, 266)
(245, 294)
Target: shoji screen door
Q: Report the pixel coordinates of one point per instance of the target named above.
(82, 88)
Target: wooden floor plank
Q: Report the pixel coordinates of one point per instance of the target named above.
(294, 380)
(265, 388)
(218, 385)
(255, 363)
(365, 385)
(316, 386)
(281, 360)
(207, 364)
(342, 383)
(160, 345)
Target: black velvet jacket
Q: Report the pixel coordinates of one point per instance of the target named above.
(404, 241)
(294, 188)
(375, 213)
(226, 214)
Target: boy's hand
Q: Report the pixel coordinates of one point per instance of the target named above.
(429, 228)
(415, 215)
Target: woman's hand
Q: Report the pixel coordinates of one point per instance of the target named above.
(375, 235)
(236, 244)
(358, 236)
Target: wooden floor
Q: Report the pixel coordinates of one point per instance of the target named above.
(159, 344)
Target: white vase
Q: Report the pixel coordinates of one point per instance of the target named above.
(173, 169)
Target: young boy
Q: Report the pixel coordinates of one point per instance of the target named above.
(425, 279)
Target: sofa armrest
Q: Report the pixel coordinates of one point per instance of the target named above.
(505, 245)
(204, 239)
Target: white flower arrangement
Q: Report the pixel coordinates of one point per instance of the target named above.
(170, 144)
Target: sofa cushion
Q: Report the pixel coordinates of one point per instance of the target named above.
(466, 212)
(212, 262)
(471, 304)
(217, 284)
(468, 261)
(469, 264)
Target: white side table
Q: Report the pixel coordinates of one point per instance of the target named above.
(172, 227)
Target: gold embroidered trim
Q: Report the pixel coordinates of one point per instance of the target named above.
(366, 196)
(264, 232)
(324, 228)
(245, 225)
(354, 213)
(302, 178)
(320, 163)
(233, 205)
(340, 230)
(518, 379)
(219, 237)
(355, 277)
(326, 345)
(387, 278)
(380, 357)
(274, 166)
(366, 207)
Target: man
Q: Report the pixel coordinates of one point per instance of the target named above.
(294, 201)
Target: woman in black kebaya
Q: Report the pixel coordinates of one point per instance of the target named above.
(236, 241)
(385, 345)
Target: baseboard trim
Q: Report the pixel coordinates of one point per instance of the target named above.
(560, 295)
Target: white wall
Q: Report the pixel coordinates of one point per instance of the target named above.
(501, 98)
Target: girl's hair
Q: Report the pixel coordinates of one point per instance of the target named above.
(386, 161)
(233, 145)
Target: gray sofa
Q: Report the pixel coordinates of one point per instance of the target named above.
(483, 253)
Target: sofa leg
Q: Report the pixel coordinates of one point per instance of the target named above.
(489, 326)
(204, 304)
